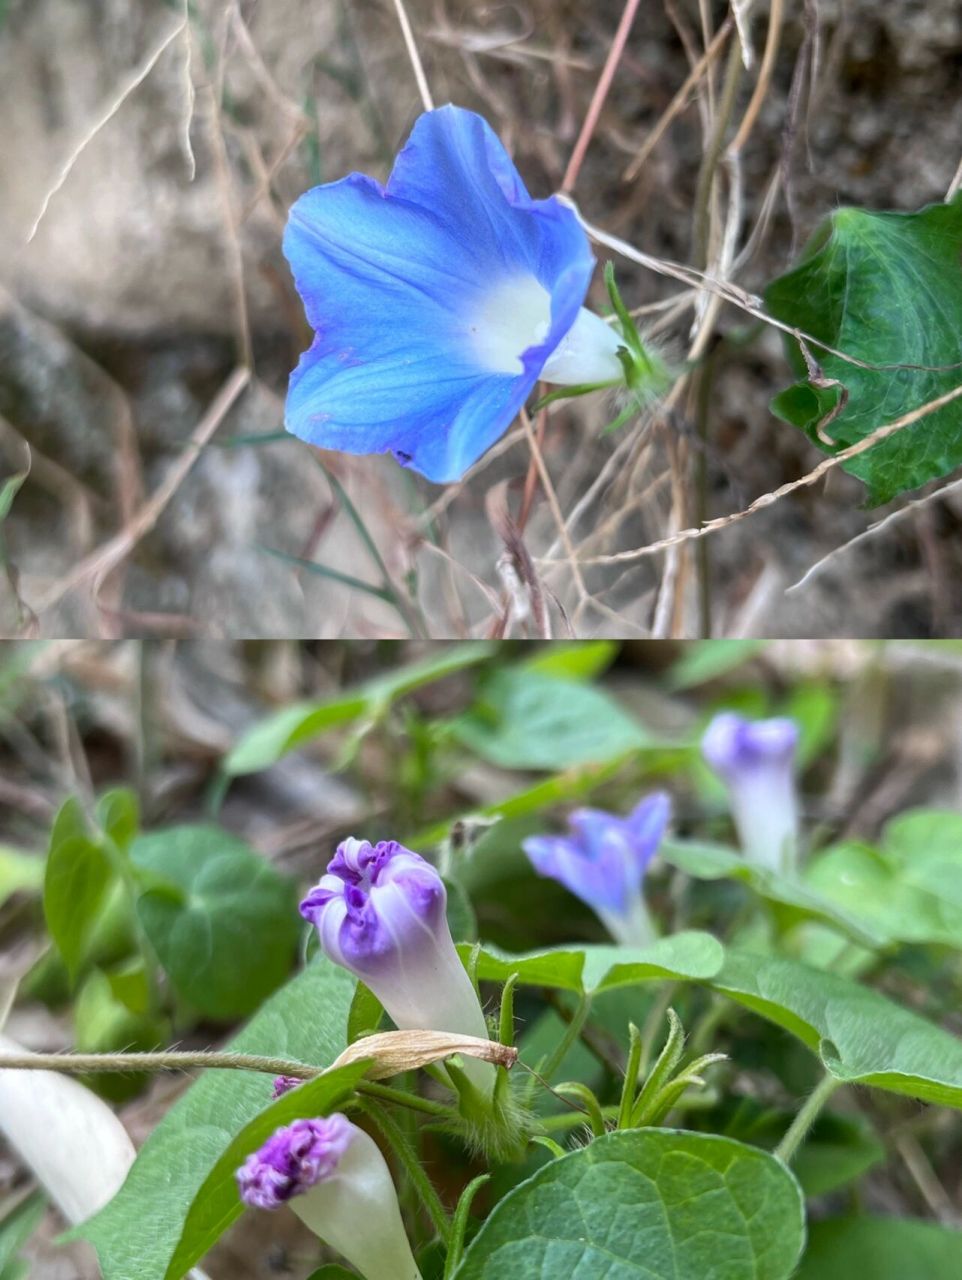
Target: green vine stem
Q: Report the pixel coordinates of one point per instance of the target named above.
(806, 1117)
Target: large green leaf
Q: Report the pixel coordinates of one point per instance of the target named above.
(881, 1249)
(275, 736)
(860, 1036)
(688, 956)
(137, 1233)
(885, 288)
(649, 1204)
(524, 719)
(909, 889)
(794, 901)
(224, 924)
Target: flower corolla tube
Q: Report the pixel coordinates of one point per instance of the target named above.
(756, 761)
(438, 301)
(603, 861)
(333, 1176)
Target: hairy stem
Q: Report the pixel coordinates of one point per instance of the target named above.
(806, 1117)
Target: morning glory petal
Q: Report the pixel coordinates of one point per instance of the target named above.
(438, 301)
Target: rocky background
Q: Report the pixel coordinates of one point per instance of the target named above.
(156, 271)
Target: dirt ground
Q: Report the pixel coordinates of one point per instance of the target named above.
(158, 484)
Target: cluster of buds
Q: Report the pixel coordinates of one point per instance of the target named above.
(380, 912)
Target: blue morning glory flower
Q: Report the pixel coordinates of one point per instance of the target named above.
(603, 862)
(438, 301)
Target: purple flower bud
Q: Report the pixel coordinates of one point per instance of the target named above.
(284, 1084)
(295, 1159)
(338, 1183)
(756, 761)
(603, 862)
(380, 912)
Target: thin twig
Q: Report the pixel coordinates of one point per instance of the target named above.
(426, 100)
(764, 78)
(138, 77)
(872, 529)
(106, 557)
(679, 101)
(599, 95)
(769, 499)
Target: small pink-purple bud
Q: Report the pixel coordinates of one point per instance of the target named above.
(336, 1180)
(284, 1084)
(296, 1158)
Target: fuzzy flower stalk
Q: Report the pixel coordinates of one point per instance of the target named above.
(335, 1179)
(439, 300)
(380, 912)
(756, 762)
(603, 861)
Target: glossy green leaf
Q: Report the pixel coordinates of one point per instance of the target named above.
(885, 288)
(217, 1203)
(77, 883)
(688, 956)
(118, 813)
(224, 924)
(881, 1249)
(137, 1233)
(527, 720)
(273, 737)
(861, 1037)
(909, 889)
(656, 1204)
(706, 861)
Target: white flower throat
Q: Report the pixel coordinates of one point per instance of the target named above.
(515, 314)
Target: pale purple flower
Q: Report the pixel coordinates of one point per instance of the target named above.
(756, 761)
(603, 862)
(337, 1182)
(380, 912)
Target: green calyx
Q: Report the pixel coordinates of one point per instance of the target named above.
(646, 374)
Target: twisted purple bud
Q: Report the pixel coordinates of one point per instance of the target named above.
(338, 1184)
(284, 1084)
(380, 912)
(603, 862)
(756, 761)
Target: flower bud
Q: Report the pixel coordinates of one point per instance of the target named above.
(756, 761)
(603, 862)
(337, 1182)
(380, 912)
